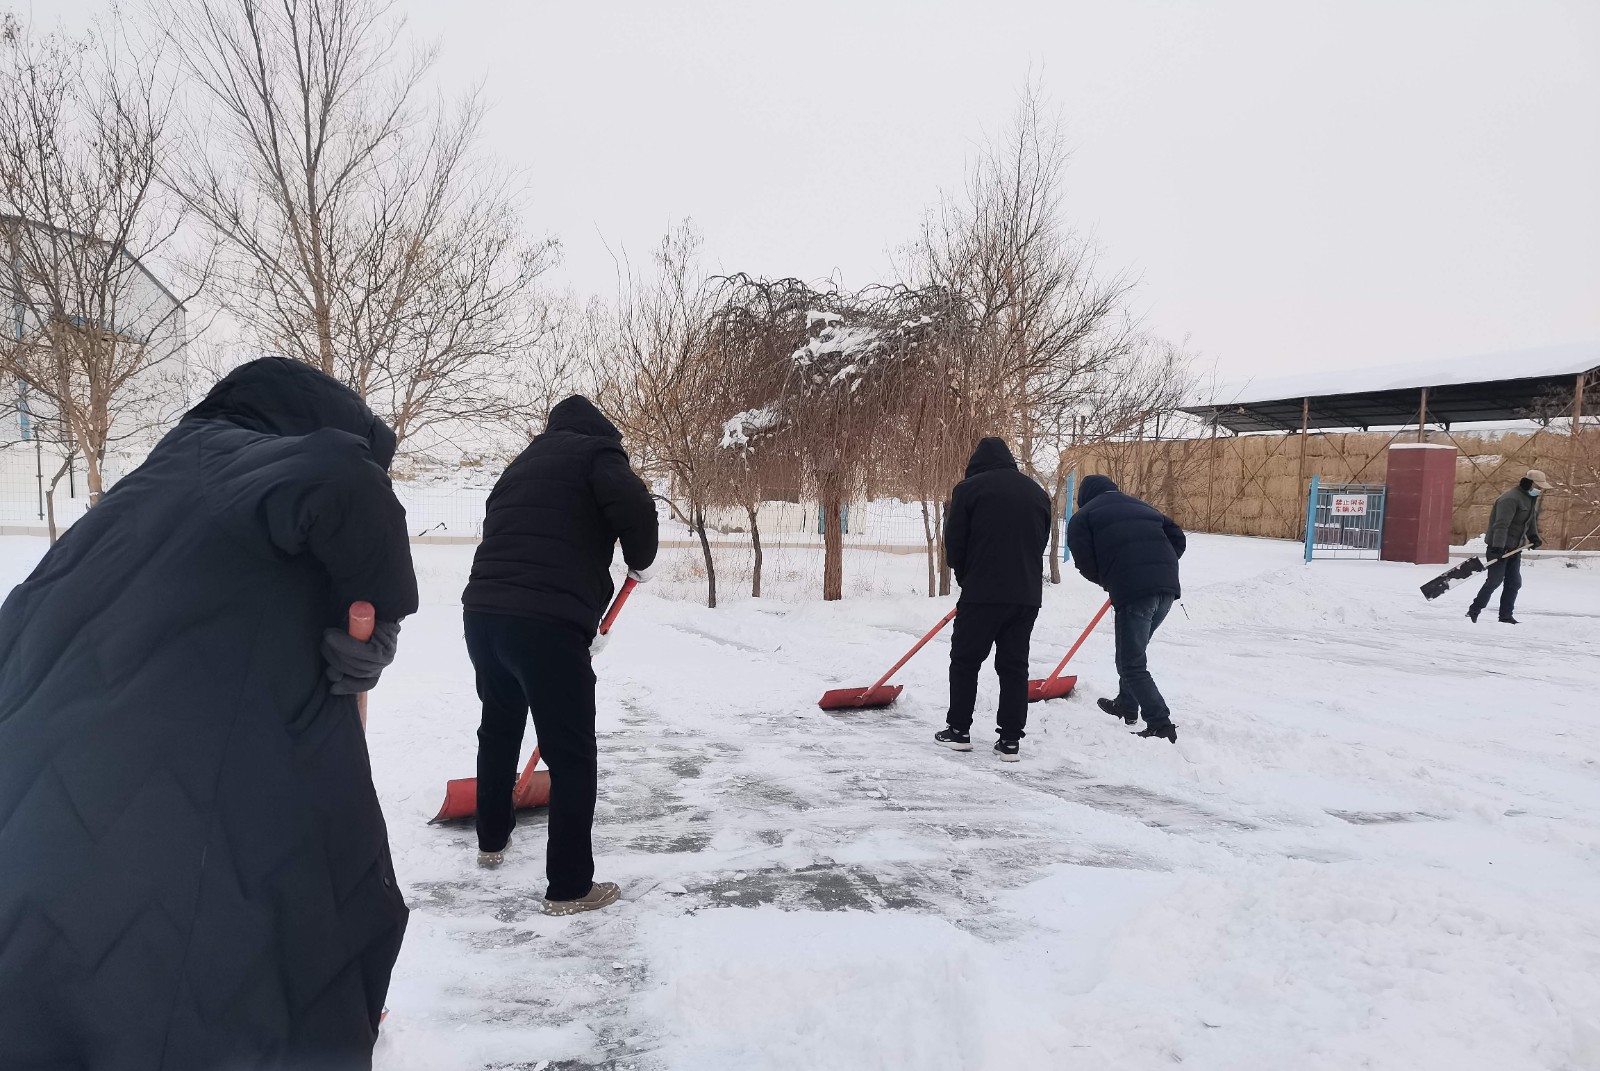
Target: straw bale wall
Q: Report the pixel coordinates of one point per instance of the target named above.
(1256, 484)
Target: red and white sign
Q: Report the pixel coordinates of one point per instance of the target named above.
(1349, 505)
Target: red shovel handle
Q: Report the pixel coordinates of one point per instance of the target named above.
(363, 619)
(616, 604)
(1081, 638)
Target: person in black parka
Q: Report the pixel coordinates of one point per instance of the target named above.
(194, 869)
(540, 582)
(1131, 549)
(995, 535)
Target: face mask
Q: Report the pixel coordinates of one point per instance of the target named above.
(1535, 492)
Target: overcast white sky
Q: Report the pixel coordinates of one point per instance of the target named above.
(1298, 185)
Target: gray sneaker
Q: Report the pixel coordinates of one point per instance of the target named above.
(601, 894)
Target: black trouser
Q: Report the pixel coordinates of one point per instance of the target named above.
(1507, 572)
(540, 664)
(1136, 689)
(1006, 628)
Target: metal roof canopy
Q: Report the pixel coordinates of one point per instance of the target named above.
(1400, 399)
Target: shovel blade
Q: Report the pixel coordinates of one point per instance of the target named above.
(461, 796)
(1048, 688)
(533, 790)
(860, 698)
(1450, 577)
(460, 800)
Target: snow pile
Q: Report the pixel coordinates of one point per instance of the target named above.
(839, 354)
(737, 431)
(801, 990)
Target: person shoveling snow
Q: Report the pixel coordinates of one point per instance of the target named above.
(196, 869)
(997, 532)
(540, 581)
(1131, 549)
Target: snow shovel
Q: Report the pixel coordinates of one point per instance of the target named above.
(1056, 686)
(878, 695)
(1457, 573)
(533, 787)
(363, 619)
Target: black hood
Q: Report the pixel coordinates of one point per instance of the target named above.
(277, 396)
(1093, 487)
(991, 453)
(578, 414)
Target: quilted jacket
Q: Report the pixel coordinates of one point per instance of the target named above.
(998, 529)
(194, 870)
(1125, 545)
(554, 519)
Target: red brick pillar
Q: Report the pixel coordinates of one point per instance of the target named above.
(1422, 491)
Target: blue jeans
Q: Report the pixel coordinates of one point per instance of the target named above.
(1136, 623)
(1507, 571)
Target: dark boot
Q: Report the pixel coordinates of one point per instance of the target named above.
(1472, 613)
(1507, 619)
(1131, 717)
(1161, 730)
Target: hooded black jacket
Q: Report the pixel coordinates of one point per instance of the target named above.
(194, 870)
(997, 531)
(1126, 546)
(553, 521)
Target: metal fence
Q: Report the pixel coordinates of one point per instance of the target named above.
(1344, 520)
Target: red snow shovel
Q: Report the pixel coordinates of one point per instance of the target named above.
(1056, 686)
(533, 787)
(878, 695)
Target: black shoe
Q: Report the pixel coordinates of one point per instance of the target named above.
(1163, 730)
(1473, 613)
(1008, 750)
(1110, 707)
(1507, 619)
(954, 739)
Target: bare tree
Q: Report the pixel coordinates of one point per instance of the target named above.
(95, 340)
(558, 361)
(361, 232)
(659, 381)
(1045, 319)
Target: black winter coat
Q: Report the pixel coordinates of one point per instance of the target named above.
(554, 519)
(194, 870)
(997, 530)
(1127, 546)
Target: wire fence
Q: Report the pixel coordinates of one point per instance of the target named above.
(886, 542)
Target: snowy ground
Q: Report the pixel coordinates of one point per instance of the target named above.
(1377, 844)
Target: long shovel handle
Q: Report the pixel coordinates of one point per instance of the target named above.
(363, 619)
(1085, 635)
(616, 604)
(1510, 554)
(934, 631)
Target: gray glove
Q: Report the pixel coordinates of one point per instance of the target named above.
(353, 666)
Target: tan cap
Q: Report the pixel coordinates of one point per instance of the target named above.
(1540, 480)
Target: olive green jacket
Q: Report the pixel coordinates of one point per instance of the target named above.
(1514, 520)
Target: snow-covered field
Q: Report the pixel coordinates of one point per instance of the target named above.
(1376, 844)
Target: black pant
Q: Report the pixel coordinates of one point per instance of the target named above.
(1007, 628)
(1136, 689)
(1506, 571)
(525, 663)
